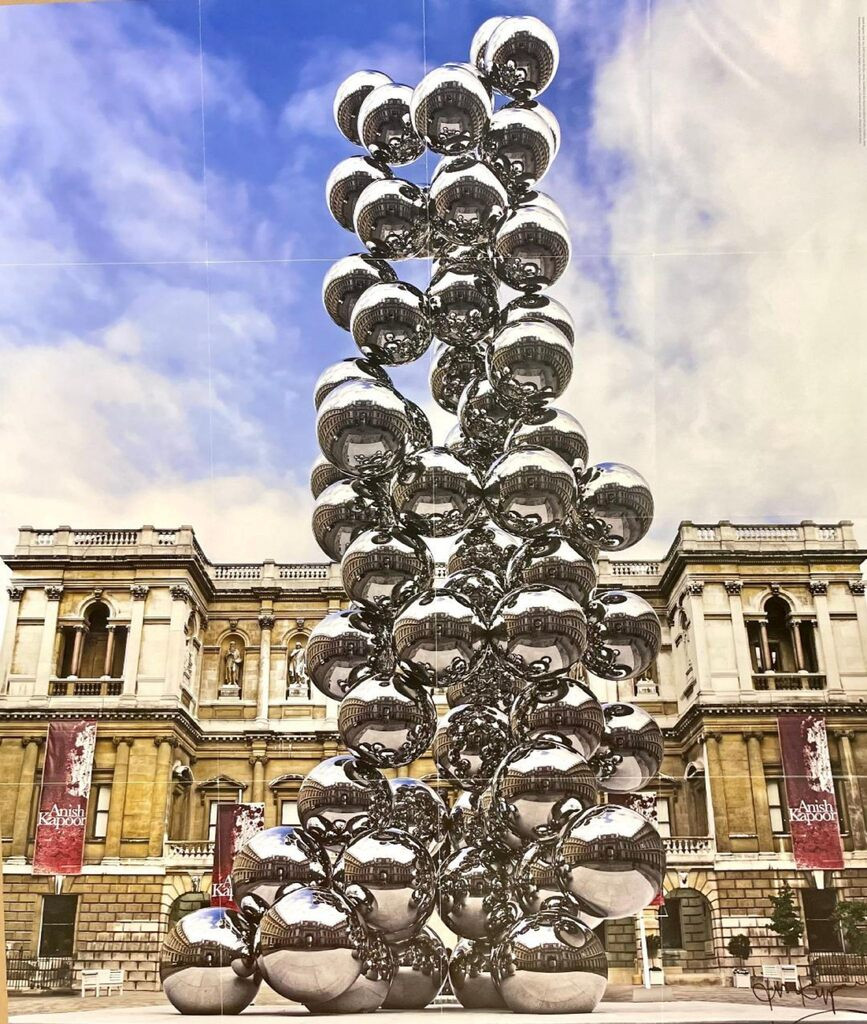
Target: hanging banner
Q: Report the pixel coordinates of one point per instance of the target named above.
(62, 818)
(236, 825)
(812, 807)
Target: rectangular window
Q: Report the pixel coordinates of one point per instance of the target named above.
(57, 934)
(777, 807)
(821, 930)
(100, 799)
(670, 930)
(289, 813)
(663, 816)
(212, 813)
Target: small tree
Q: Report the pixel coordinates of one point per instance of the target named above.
(785, 920)
(654, 944)
(740, 947)
(851, 916)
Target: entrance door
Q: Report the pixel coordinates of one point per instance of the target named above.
(57, 935)
(823, 933)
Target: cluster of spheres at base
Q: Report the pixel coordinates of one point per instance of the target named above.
(540, 846)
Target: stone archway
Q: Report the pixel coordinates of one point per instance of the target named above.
(686, 927)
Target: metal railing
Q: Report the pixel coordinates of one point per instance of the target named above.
(789, 681)
(27, 971)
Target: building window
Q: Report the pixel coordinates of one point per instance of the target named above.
(670, 930)
(663, 816)
(289, 813)
(100, 800)
(822, 931)
(57, 933)
(842, 806)
(212, 813)
(777, 807)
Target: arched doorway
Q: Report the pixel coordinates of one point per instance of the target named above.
(686, 931)
(185, 904)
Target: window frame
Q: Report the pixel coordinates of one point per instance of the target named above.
(781, 807)
(664, 823)
(47, 899)
(213, 802)
(98, 814)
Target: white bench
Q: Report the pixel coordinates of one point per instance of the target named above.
(787, 974)
(98, 980)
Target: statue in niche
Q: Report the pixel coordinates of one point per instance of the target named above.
(233, 671)
(297, 680)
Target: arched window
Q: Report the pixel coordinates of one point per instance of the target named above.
(781, 643)
(186, 904)
(93, 649)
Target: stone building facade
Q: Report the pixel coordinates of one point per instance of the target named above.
(191, 670)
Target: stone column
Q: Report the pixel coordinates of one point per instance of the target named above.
(119, 782)
(694, 589)
(24, 797)
(109, 651)
(159, 799)
(739, 628)
(79, 631)
(138, 592)
(819, 590)
(15, 594)
(258, 761)
(181, 600)
(857, 588)
(855, 804)
(767, 660)
(718, 793)
(44, 663)
(761, 807)
(800, 660)
(266, 624)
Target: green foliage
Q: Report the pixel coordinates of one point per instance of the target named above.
(786, 920)
(851, 916)
(740, 947)
(654, 944)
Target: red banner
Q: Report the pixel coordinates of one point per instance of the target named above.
(812, 806)
(236, 825)
(62, 818)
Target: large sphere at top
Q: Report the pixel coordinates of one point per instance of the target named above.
(385, 722)
(530, 491)
(208, 962)
(531, 249)
(470, 975)
(339, 649)
(436, 493)
(382, 569)
(390, 323)
(347, 280)
(614, 861)
(420, 811)
(276, 857)
(521, 57)
(350, 94)
(310, 945)
(550, 963)
(462, 303)
(441, 637)
(631, 747)
(561, 708)
(556, 562)
(341, 798)
(422, 963)
(469, 201)
(469, 744)
(340, 513)
(450, 108)
(519, 147)
(346, 183)
(385, 125)
(616, 506)
(346, 370)
(529, 361)
(474, 892)
(363, 428)
(392, 220)
(552, 428)
(627, 636)
(539, 631)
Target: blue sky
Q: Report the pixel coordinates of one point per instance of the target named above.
(163, 238)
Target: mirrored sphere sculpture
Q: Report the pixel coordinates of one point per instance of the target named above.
(480, 41)
(470, 976)
(616, 506)
(346, 183)
(462, 302)
(468, 203)
(560, 707)
(450, 108)
(535, 306)
(346, 370)
(554, 429)
(530, 491)
(339, 649)
(486, 546)
(451, 369)
(346, 282)
(422, 965)
(385, 126)
(631, 748)
(626, 638)
(348, 99)
(440, 635)
(474, 892)
(390, 323)
(469, 744)
(528, 361)
(420, 810)
(556, 562)
(382, 569)
(276, 857)
(386, 722)
(481, 587)
(539, 631)
(342, 797)
(391, 218)
(436, 493)
(521, 56)
(367, 993)
(484, 415)
(531, 248)
(322, 474)
(340, 513)
(363, 428)
(519, 147)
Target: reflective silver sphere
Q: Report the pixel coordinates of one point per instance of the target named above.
(550, 963)
(469, 744)
(391, 218)
(363, 428)
(468, 200)
(392, 879)
(541, 199)
(367, 993)
(539, 631)
(450, 108)
(346, 183)
(616, 506)
(530, 491)
(421, 435)
(421, 811)
(451, 369)
(531, 250)
(436, 493)
(555, 562)
(462, 302)
(347, 280)
(481, 587)
(529, 360)
(340, 513)
(208, 962)
(276, 857)
(348, 99)
(422, 963)
(310, 945)
(341, 798)
(385, 125)
(340, 647)
(483, 415)
(484, 546)
(632, 743)
(480, 41)
(382, 569)
(385, 722)
(521, 57)
(626, 638)
(474, 892)
(470, 975)
(466, 820)
(539, 307)
(346, 370)
(555, 429)
(519, 147)
(390, 323)
(440, 635)
(490, 684)
(561, 708)
(536, 877)
(323, 474)
(614, 861)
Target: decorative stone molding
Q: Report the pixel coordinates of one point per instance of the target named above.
(818, 587)
(15, 593)
(266, 620)
(672, 618)
(54, 592)
(857, 587)
(97, 593)
(171, 740)
(258, 759)
(27, 740)
(138, 591)
(774, 588)
(233, 624)
(733, 587)
(694, 588)
(180, 592)
(300, 623)
(117, 740)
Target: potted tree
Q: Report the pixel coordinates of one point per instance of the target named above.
(851, 917)
(654, 944)
(785, 919)
(740, 947)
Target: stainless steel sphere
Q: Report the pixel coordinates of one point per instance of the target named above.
(540, 784)
(550, 963)
(626, 638)
(347, 280)
(536, 877)
(339, 650)
(531, 250)
(555, 429)
(474, 892)
(440, 636)
(468, 201)
(340, 513)
(529, 361)
(435, 493)
(519, 147)
(349, 97)
(323, 474)
(485, 546)
(539, 307)
(632, 747)
(341, 798)
(481, 587)
(562, 708)
(539, 631)
(521, 57)
(451, 369)
(462, 302)
(530, 491)
(470, 975)
(490, 684)
(555, 562)
(614, 861)
(480, 41)
(276, 857)
(385, 125)
(310, 945)
(347, 370)
(616, 506)
(469, 744)
(390, 323)
(466, 820)
(382, 569)
(346, 183)
(363, 428)
(422, 964)
(386, 722)
(391, 218)
(208, 962)
(450, 108)
(391, 878)
(367, 993)
(421, 434)
(421, 811)
(484, 416)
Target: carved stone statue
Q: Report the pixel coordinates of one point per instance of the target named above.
(233, 670)
(298, 682)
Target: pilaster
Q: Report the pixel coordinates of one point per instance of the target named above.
(44, 663)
